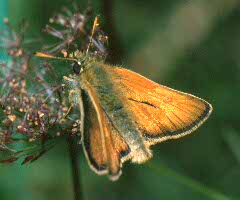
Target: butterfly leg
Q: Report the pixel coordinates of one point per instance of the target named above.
(75, 98)
(70, 97)
(74, 92)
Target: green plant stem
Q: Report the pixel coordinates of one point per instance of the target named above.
(78, 195)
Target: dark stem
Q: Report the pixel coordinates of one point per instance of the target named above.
(116, 50)
(78, 195)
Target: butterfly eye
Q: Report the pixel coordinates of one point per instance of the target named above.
(76, 68)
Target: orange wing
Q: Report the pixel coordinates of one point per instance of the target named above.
(159, 112)
(103, 146)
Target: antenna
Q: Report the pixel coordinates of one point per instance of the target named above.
(43, 55)
(95, 24)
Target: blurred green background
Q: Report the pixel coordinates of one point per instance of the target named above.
(192, 46)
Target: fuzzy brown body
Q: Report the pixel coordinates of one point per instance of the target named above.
(124, 113)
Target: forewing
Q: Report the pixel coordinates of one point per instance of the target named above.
(160, 112)
(92, 140)
(103, 146)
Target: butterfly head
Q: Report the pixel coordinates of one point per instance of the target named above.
(83, 61)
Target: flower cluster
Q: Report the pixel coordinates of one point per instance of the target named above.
(34, 107)
(74, 34)
(33, 103)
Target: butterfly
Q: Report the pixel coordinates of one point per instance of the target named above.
(123, 113)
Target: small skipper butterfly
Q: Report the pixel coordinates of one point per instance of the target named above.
(124, 113)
